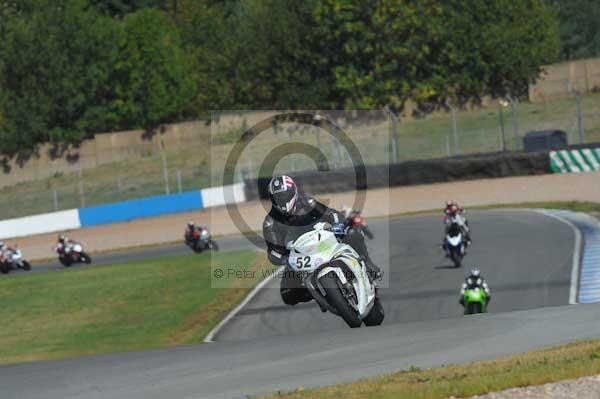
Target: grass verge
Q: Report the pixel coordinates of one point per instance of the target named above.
(137, 305)
(534, 368)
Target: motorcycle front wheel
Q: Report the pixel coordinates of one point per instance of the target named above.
(65, 261)
(86, 258)
(474, 308)
(333, 289)
(456, 257)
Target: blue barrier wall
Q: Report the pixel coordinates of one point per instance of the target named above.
(140, 208)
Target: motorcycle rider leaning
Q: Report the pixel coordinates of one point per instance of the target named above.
(62, 243)
(189, 232)
(454, 213)
(292, 215)
(474, 280)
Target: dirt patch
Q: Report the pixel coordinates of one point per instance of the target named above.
(382, 202)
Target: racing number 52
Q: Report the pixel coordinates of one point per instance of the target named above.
(303, 262)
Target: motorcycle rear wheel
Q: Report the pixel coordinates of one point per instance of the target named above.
(4, 267)
(376, 315)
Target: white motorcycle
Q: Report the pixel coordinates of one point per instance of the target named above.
(12, 259)
(73, 253)
(455, 245)
(336, 277)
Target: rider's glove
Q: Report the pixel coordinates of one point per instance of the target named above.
(291, 261)
(339, 229)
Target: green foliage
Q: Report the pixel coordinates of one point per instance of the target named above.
(56, 64)
(119, 8)
(429, 51)
(579, 28)
(72, 68)
(153, 81)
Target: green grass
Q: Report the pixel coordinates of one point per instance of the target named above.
(138, 305)
(534, 368)
(201, 164)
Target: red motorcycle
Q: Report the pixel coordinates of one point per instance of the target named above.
(357, 221)
(201, 240)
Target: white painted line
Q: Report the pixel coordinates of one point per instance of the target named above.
(576, 255)
(210, 336)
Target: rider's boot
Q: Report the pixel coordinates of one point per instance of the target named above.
(373, 270)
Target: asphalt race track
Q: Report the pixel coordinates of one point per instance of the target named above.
(525, 256)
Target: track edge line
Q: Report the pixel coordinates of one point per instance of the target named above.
(574, 290)
(211, 335)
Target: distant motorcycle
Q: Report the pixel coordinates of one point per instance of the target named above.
(357, 221)
(475, 300)
(73, 253)
(455, 244)
(12, 259)
(200, 241)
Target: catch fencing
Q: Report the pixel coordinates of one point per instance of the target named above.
(195, 157)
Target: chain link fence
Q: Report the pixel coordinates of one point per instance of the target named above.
(195, 164)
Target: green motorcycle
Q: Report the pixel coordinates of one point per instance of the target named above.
(475, 300)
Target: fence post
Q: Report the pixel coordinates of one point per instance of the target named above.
(120, 187)
(579, 116)
(335, 144)
(394, 133)
(454, 127)
(501, 106)
(513, 105)
(164, 165)
(55, 200)
(81, 190)
(179, 180)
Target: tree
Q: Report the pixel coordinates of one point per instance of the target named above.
(56, 61)
(119, 8)
(579, 28)
(153, 77)
(387, 52)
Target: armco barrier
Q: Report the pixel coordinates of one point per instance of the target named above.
(140, 208)
(483, 166)
(38, 224)
(218, 196)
